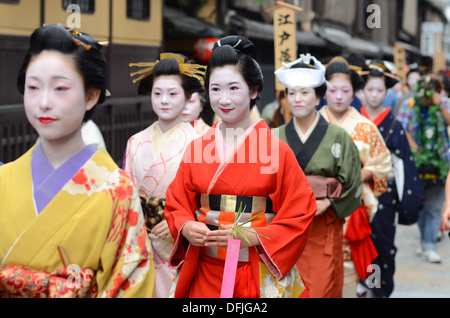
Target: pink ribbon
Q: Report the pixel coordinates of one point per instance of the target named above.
(229, 272)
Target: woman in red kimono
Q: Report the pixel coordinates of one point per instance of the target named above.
(238, 163)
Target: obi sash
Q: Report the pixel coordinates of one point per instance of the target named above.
(324, 187)
(22, 282)
(69, 282)
(153, 209)
(217, 210)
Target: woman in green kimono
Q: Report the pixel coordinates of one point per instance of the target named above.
(330, 160)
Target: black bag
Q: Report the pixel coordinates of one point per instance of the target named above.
(430, 176)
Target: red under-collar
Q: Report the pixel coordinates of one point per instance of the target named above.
(377, 121)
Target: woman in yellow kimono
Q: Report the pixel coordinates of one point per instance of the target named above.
(236, 162)
(71, 220)
(153, 155)
(359, 251)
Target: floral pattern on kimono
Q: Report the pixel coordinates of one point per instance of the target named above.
(96, 217)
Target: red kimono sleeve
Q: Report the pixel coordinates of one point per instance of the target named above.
(181, 204)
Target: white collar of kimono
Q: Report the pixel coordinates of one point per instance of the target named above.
(304, 77)
(304, 136)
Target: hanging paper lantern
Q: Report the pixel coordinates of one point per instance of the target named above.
(203, 48)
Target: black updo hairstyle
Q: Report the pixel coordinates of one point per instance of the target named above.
(236, 51)
(169, 67)
(85, 50)
(320, 90)
(340, 66)
(377, 69)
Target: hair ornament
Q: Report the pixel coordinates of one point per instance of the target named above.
(237, 44)
(380, 68)
(192, 70)
(219, 44)
(80, 43)
(341, 59)
(77, 38)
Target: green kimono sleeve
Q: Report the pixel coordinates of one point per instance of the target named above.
(349, 174)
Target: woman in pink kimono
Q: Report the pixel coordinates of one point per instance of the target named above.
(153, 155)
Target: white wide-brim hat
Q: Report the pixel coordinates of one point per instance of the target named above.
(302, 77)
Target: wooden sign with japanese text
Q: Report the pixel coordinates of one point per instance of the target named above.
(285, 39)
(439, 62)
(400, 62)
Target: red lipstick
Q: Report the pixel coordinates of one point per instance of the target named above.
(46, 120)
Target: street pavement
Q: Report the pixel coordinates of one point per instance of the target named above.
(414, 277)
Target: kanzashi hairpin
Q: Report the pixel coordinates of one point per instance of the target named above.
(192, 70)
(76, 36)
(80, 43)
(343, 60)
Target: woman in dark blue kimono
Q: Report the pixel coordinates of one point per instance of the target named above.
(405, 194)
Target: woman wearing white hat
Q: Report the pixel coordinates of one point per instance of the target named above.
(330, 159)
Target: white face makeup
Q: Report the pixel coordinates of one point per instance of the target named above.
(192, 109)
(230, 96)
(339, 94)
(168, 99)
(55, 99)
(375, 92)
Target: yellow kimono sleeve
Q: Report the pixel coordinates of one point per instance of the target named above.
(127, 260)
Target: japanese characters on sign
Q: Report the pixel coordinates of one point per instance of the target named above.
(285, 41)
(400, 61)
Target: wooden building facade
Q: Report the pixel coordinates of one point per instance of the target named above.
(133, 29)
